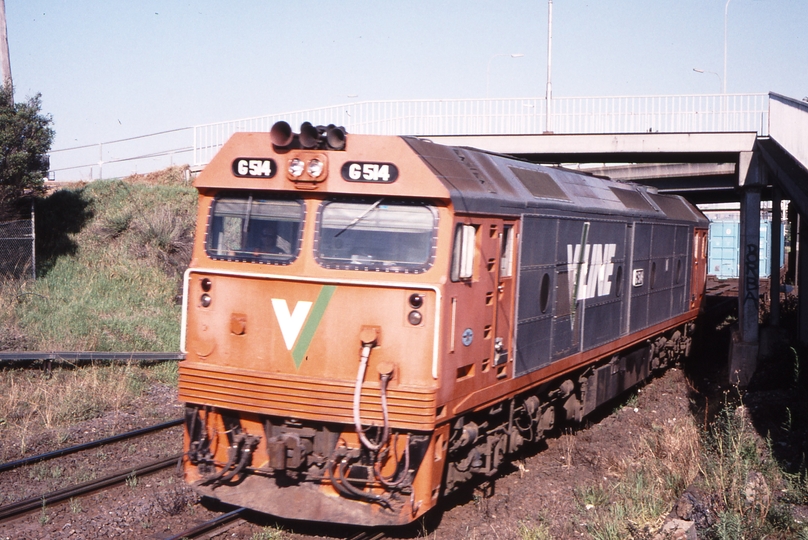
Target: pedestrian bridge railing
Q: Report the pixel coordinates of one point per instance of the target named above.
(516, 116)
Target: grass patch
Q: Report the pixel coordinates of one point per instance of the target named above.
(534, 532)
(747, 491)
(167, 373)
(111, 257)
(269, 533)
(12, 336)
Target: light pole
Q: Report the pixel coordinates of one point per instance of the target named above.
(488, 72)
(697, 70)
(724, 80)
(549, 93)
(5, 61)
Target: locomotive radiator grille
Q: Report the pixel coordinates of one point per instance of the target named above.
(303, 398)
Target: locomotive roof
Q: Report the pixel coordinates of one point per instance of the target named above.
(483, 182)
(476, 181)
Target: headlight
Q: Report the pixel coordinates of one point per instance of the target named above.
(315, 168)
(296, 167)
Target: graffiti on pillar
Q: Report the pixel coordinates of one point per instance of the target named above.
(751, 273)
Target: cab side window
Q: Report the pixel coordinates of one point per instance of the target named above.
(465, 241)
(506, 257)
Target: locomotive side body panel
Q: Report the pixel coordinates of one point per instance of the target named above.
(571, 270)
(371, 321)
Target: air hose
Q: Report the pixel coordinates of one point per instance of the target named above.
(369, 337)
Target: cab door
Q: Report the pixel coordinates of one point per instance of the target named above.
(505, 277)
(699, 277)
(480, 304)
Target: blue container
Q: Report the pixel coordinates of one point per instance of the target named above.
(725, 247)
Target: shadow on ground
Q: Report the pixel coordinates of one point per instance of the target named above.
(59, 215)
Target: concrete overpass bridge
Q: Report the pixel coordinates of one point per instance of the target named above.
(707, 148)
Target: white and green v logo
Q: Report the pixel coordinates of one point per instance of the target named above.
(298, 326)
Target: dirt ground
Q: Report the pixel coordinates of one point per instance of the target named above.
(543, 487)
(540, 493)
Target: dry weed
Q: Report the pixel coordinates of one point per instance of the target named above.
(567, 441)
(32, 404)
(170, 176)
(672, 452)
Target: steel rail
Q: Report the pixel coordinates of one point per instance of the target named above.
(209, 525)
(21, 507)
(86, 446)
(226, 519)
(365, 535)
(88, 356)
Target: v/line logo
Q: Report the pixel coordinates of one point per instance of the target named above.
(299, 325)
(591, 269)
(290, 323)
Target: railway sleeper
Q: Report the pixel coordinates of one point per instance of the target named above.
(480, 441)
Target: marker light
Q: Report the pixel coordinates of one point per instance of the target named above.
(205, 300)
(315, 168)
(296, 167)
(414, 318)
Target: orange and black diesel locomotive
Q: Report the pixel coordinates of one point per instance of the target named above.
(370, 321)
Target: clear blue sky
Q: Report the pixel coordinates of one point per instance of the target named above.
(109, 69)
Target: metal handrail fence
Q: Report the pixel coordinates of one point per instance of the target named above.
(516, 116)
(122, 157)
(17, 248)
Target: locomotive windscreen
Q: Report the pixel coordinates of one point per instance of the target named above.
(377, 235)
(255, 229)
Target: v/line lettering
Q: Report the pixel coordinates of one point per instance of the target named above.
(592, 270)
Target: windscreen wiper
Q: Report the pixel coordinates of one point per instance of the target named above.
(360, 217)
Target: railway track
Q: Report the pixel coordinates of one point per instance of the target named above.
(21, 507)
(86, 446)
(225, 522)
(48, 358)
(212, 527)
(368, 536)
(33, 503)
(234, 518)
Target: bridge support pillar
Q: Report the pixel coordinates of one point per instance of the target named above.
(774, 266)
(802, 278)
(772, 335)
(744, 348)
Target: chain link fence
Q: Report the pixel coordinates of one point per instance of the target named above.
(17, 256)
